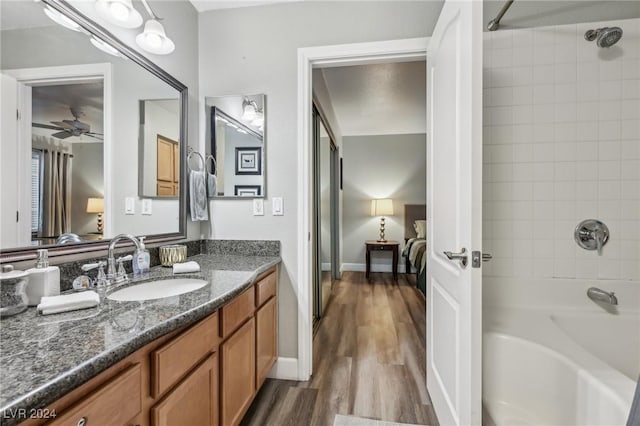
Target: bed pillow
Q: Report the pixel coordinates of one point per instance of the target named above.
(421, 228)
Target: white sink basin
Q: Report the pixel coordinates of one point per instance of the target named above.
(157, 289)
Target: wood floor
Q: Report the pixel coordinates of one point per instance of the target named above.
(369, 360)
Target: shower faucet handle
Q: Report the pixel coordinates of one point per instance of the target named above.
(592, 234)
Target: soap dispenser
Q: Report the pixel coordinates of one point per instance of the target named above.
(141, 259)
(44, 280)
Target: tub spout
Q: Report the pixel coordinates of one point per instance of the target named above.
(597, 294)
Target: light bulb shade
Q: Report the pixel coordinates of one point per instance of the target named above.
(101, 45)
(382, 207)
(95, 205)
(60, 19)
(249, 110)
(154, 40)
(119, 12)
(258, 121)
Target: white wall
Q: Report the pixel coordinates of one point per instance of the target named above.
(385, 166)
(562, 144)
(254, 50)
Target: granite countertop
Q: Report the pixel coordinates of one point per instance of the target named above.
(43, 358)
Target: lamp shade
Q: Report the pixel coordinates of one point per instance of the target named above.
(383, 207)
(95, 205)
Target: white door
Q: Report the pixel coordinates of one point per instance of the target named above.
(454, 207)
(9, 162)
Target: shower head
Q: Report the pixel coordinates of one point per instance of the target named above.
(605, 37)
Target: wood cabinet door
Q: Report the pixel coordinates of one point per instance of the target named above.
(165, 189)
(194, 401)
(266, 339)
(165, 160)
(114, 403)
(238, 373)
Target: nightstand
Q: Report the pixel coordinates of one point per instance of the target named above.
(392, 246)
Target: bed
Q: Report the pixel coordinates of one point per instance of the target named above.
(415, 247)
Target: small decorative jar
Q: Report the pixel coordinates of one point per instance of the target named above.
(174, 253)
(13, 295)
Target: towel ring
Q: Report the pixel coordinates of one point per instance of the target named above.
(214, 169)
(201, 160)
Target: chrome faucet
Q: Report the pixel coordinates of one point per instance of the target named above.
(597, 294)
(112, 275)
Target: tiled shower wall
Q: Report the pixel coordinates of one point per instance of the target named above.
(561, 144)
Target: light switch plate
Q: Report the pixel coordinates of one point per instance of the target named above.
(129, 205)
(147, 206)
(258, 207)
(277, 207)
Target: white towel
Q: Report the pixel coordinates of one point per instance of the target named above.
(212, 185)
(68, 302)
(198, 196)
(186, 267)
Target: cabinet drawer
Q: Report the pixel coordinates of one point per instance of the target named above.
(114, 403)
(236, 312)
(173, 360)
(265, 289)
(382, 248)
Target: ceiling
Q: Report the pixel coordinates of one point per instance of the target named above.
(205, 5)
(378, 99)
(54, 103)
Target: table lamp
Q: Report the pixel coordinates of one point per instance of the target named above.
(382, 208)
(96, 205)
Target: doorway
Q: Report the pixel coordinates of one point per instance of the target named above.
(309, 58)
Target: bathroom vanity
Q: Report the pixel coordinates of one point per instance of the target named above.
(194, 359)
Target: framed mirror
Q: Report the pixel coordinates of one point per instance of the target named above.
(77, 156)
(236, 149)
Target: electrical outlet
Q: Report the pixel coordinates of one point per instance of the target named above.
(146, 207)
(129, 205)
(258, 207)
(277, 206)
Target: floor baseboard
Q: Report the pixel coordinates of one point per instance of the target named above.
(375, 267)
(284, 369)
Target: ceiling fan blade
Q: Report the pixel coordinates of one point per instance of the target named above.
(46, 126)
(94, 135)
(64, 124)
(61, 135)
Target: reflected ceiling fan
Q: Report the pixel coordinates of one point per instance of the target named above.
(68, 128)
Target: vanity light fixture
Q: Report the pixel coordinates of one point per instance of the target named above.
(119, 12)
(154, 40)
(249, 109)
(60, 19)
(104, 47)
(259, 120)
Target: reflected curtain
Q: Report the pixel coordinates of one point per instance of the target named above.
(56, 210)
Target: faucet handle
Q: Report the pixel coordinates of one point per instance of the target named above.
(122, 273)
(91, 266)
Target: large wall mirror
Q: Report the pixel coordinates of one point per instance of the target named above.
(236, 149)
(95, 134)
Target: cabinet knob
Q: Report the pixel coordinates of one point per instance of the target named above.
(82, 421)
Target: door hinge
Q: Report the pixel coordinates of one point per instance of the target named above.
(17, 216)
(17, 114)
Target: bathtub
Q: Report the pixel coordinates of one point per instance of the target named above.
(565, 362)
